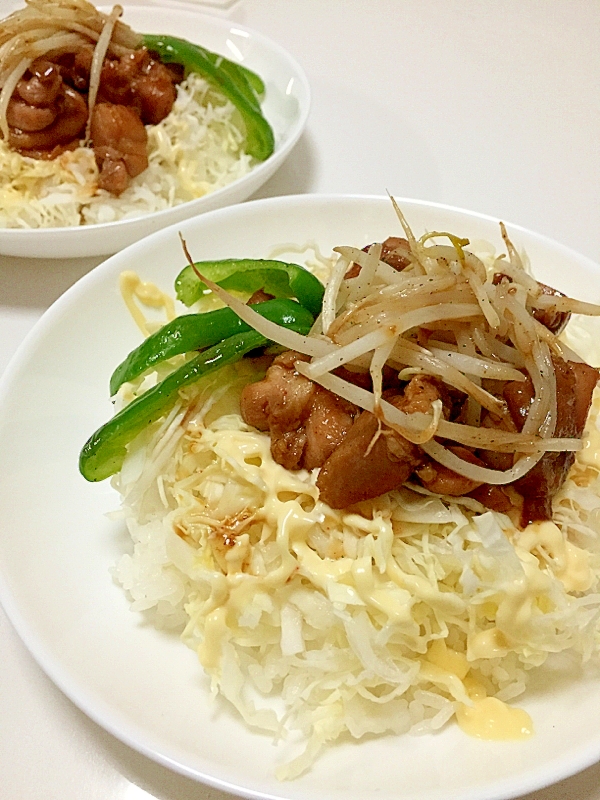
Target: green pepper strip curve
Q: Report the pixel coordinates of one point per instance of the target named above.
(256, 82)
(228, 77)
(248, 83)
(103, 453)
(197, 331)
(247, 275)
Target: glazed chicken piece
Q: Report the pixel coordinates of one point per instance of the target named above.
(363, 466)
(27, 118)
(140, 82)
(259, 296)
(361, 458)
(575, 383)
(441, 480)
(395, 252)
(41, 84)
(372, 459)
(550, 318)
(120, 145)
(45, 115)
(48, 111)
(306, 422)
(498, 499)
(75, 68)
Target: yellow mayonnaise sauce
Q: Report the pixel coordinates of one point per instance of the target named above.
(490, 718)
(485, 717)
(132, 288)
(569, 563)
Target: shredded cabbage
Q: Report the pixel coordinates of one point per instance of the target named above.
(370, 623)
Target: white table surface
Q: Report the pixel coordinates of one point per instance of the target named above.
(491, 105)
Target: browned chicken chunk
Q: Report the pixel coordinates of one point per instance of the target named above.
(441, 480)
(550, 318)
(575, 383)
(306, 422)
(75, 68)
(139, 81)
(26, 117)
(394, 251)
(41, 85)
(363, 466)
(360, 458)
(120, 145)
(48, 111)
(66, 118)
(372, 459)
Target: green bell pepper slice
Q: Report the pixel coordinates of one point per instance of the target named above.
(197, 331)
(247, 275)
(236, 83)
(104, 452)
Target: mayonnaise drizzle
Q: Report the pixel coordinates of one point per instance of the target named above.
(569, 563)
(132, 287)
(490, 718)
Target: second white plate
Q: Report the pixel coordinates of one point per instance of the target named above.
(286, 106)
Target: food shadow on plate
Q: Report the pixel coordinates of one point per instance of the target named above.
(297, 175)
(37, 283)
(162, 783)
(151, 777)
(583, 786)
(559, 672)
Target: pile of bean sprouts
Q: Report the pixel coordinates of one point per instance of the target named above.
(51, 28)
(473, 330)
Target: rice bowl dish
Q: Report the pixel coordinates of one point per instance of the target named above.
(177, 184)
(394, 611)
(47, 562)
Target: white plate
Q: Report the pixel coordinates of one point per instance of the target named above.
(57, 547)
(286, 106)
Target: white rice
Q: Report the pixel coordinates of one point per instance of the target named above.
(196, 149)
